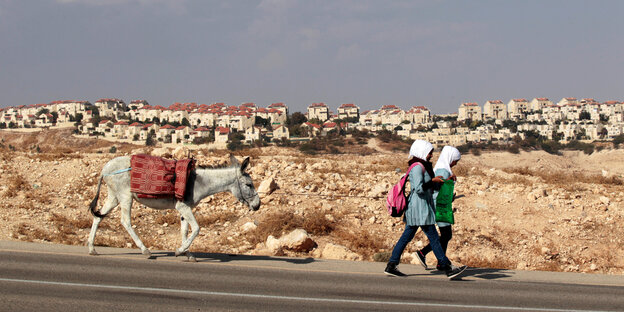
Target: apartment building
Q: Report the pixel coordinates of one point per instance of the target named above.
(495, 109)
(318, 111)
(538, 104)
(517, 108)
(469, 111)
(348, 111)
(110, 107)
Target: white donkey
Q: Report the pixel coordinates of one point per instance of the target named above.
(202, 182)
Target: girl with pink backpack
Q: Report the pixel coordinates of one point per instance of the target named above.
(421, 212)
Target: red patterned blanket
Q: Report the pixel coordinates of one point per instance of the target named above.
(156, 177)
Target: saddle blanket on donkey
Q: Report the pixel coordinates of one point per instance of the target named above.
(156, 177)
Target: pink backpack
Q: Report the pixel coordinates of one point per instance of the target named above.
(396, 202)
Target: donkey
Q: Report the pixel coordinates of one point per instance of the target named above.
(202, 182)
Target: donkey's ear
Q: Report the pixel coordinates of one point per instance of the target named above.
(245, 164)
(234, 161)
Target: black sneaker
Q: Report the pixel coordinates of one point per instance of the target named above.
(439, 267)
(391, 269)
(454, 271)
(422, 258)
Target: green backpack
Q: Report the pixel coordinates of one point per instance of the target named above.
(444, 202)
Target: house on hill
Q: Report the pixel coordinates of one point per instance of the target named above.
(469, 111)
(318, 111)
(495, 109)
(280, 132)
(222, 134)
(348, 111)
(312, 129)
(517, 108)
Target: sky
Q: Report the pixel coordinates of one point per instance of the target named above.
(433, 53)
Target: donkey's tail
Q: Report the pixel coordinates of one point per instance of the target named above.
(93, 204)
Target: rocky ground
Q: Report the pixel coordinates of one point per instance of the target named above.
(527, 211)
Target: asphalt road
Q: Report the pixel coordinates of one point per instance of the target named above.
(42, 277)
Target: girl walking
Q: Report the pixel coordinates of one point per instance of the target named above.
(421, 211)
(449, 157)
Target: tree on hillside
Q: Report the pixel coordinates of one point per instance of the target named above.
(296, 118)
(185, 122)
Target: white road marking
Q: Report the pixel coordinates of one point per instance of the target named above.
(292, 298)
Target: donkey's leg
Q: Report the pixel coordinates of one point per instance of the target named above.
(110, 203)
(184, 225)
(186, 213)
(126, 209)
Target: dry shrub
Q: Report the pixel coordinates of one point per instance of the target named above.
(216, 217)
(169, 217)
(519, 170)
(462, 170)
(486, 239)
(16, 183)
(276, 224)
(63, 153)
(63, 234)
(360, 241)
(30, 233)
(549, 265)
(497, 263)
(566, 180)
(80, 223)
(316, 223)
(39, 196)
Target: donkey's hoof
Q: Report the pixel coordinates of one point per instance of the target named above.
(93, 252)
(180, 252)
(147, 253)
(191, 258)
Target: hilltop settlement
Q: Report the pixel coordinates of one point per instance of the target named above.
(218, 124)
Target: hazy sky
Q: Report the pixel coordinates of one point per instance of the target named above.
(432, 53)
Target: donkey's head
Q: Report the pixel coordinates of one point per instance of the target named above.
(244, 189)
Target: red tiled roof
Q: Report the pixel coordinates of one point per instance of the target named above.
(223, 130)
(313, 125)
(121, 123)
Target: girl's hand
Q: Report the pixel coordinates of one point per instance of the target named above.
(438, 179)
(453, 177)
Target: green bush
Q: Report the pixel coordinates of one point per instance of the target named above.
(587, 148)
(551, 147)
(618, 140)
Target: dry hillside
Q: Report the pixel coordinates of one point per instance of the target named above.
(528, 211)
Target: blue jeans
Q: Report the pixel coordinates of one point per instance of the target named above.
(408, 235)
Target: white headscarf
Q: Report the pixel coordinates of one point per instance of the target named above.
(448, 155)
(420, 149)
